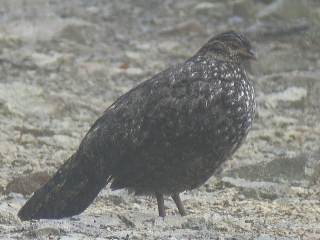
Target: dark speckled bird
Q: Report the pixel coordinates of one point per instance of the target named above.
(165, 136)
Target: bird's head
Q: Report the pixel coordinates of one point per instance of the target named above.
(229, 46)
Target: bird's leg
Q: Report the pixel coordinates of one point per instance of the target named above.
(160, 201)
(177, 201)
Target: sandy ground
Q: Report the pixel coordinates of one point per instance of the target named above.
(63, 62)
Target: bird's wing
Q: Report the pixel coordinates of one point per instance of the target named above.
(177, 98)
(156, 118)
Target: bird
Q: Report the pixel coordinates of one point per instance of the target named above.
(167, 135)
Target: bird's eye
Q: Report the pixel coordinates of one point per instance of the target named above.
(235, 45)
(218, 46)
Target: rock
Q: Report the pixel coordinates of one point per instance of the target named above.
(74, 236)
(204, 6)
(43, 233)
(188, 27)
(134, 57)
(281, 59)
(257, 190)
(286, 10)
(266, 30)
(7, 214)
(168, 46)
(115, 200)
(23, 30)
(195, 223)
(23, 99)
(246, 9)
(133, 71)
(294, 95)
(283, 121)
(212, 9)
(127, 221)
(35, 132)
(268, 237)
(93, 68)
(312, 168)
(282, 170)
(312, 236)
(64, 141)
(9, 41)
(27, 184)
(50, 61)
(77, 31)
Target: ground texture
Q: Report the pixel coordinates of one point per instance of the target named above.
(63, 62)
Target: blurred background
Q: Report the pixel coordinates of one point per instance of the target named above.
(62, 63)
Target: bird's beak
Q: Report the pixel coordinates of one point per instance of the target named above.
(250, 54)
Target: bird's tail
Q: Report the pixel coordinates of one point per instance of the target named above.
(69, 192)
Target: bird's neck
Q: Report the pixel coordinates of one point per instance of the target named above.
(215, 57)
